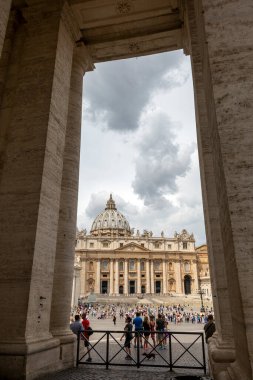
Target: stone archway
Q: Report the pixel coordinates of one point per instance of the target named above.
(40, 128)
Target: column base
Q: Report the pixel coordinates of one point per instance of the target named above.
(220, 355)
(27, 361)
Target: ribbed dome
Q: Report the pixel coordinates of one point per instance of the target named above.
(110, 221)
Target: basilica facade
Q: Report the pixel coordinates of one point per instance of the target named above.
(114, 260)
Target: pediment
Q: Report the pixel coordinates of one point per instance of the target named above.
(132, 247)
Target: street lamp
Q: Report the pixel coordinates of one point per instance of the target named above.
(201, 292)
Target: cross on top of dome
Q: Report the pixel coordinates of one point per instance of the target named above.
(110, 204)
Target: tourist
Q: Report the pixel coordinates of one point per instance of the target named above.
(160, 329)
(76, 327)
(209, 327)
(114, 319)
(138, 328)
(129, 336)
(86, 325)
(146, 330)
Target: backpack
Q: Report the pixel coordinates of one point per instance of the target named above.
(89, 331)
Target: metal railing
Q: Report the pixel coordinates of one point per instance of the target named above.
(163, 349)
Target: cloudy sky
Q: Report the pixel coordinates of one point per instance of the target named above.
(139, 143)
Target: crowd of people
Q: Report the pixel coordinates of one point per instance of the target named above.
(143, 323)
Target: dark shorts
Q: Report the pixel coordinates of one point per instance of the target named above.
(127, 343)
(86, 343)
(138, 333)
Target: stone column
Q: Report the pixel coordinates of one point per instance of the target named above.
(76, 288)
(97, 283)
(147, 277)
(223, 99)
(195, 276)
(65, 250)
(83, 278)
(32, 155)
(111, 277)
(116, 288)
(138, 276)
(5, 6)
(177, 266)
(152, 283)
(126, 277)
(165, 291)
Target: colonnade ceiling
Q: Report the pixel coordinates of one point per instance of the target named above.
(117, 29)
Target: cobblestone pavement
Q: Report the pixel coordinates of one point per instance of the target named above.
(115, 374)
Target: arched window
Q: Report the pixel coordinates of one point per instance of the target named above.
(142, 266)
(187, 284)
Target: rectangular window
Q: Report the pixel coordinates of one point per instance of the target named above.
(156, 245)
(184, 245)
(169, 246)
(142, 244)
(121, 244)
(91, 245)
(105, 245)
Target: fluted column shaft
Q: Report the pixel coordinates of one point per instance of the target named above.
(178, 278)
(97, 284)
(116, 288)
(152, 285)
(111, 277)
(126, 277)
(147, 277)
(164, 277)
(138, 276)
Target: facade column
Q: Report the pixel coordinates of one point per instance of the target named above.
(165, 291)
(147, 277)
(32, 156)
(223, 100)
(116, 288)
(138, 276)
(195, 276)
(83, 278)
(97, 283)
(178, 278)
(126, 277)
(76, 286)
(152, 283)
(111, 277)
(5, 6)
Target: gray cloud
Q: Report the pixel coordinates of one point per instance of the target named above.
(160, 161)
(118, 93)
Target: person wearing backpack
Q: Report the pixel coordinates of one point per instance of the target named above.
(209, 327)
(160, 328)
(86, 335)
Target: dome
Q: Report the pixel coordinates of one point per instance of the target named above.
(110, 221)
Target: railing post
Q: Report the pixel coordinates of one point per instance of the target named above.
(78, 347)
(107, 349)
(204, 354)
(170, 351)
(138, 349)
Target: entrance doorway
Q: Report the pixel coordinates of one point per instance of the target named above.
(132, 287)
(121, 289)
(187, 284)
(158, 286)
(143, 289)
(104, 287)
